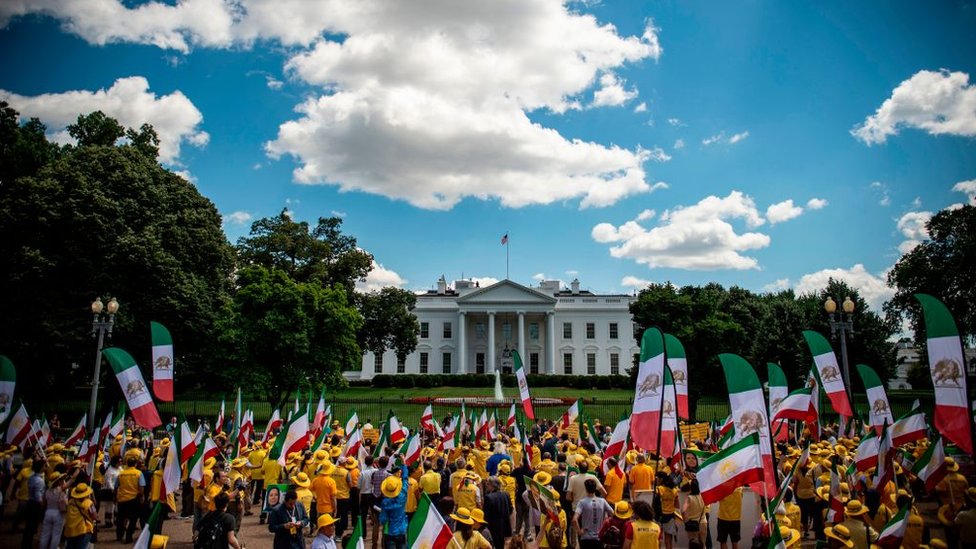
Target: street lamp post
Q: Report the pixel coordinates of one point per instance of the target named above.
(842, 324)
(101, 327)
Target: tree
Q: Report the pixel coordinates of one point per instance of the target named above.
(100, 219)
(388, 322)
(23, 147)
(279, 334)
(941, 266)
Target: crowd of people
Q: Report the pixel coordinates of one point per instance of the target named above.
(555, 493)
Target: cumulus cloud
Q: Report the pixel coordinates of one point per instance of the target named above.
(697, 237)
(174, 117)
(337, 213)
(645, 215)
(630, 281)
(679, 144)
(939, 102)
(817, 203)
(777, 285)
(657, 154)
(782, 211)
(239, 217)
(380, 277)
(612, 92)
(872, 287)
(428, 103)
(912, 226)
(641, 107)
(969, 188)
(484, 281)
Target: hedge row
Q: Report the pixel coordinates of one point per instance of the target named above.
(409, 381)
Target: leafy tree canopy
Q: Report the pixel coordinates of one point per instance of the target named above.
(388, 322)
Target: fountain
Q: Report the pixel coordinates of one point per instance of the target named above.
(498, 386)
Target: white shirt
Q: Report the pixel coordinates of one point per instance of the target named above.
(366, 481)
(323, 541)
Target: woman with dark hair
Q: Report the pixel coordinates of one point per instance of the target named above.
(465, 535)
(642, 532)
(695, 513)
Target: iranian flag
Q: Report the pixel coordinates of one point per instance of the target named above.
(219, 427)
(778, 391)
(867, 452)
(727, 426)
(879, 412)
(909, 427)
(523, 386)
(352, 422)
(427, 528)
(775, 537)
(19, 427)
(8, 381)
(830, 375)
(449, 435)
(795, 406)
(206, 450)
(886, 468)
(527, 448)
(738, 465)
(893, 533)
(669, 421)
(749, 408)
(411, 450)
(293, 438)
(592, 437)
(835, 505)
(510, 422)
(171, 470)
(427, 418)
(618, 441)
(318, 422)
(931, 467)
(813, 423)
(78, 434)
(163, 362)
(678, 363)
(133, 387)
(273, 424)
(649, 392)
(571, 415)
(188, 442)
(356, 539)
(397, 432)
(117, 426)
(144, 541)
(947, 365)
(353, 444)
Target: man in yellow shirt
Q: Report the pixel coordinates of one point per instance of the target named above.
(342, 476)
(641, 477)
(324, 488)
(131, 486)
(468, 494)
(729, 519)
(430, 483)
(614, 482)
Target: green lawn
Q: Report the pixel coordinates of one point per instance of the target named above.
(509, 392)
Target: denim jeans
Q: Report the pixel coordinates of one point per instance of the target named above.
(394, 542)
(77, 542)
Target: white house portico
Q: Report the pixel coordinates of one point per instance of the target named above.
(466, 329)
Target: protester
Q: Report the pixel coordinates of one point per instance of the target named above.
(287, 521)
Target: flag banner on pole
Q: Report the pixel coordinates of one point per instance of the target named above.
(510, 422)
(78, 434)
(947, 365)
(571, 415)
(19, 427)
(649, 393)
(931, 468)
(163, 362)
(908, 428)
(427, 418)
(221, 419)
(814, 422)
(133, 387)
(678, 363)
(352, 422)
(8, 382)
(410, 450)
(353, 443)
(273, 423)
(206, 449)
(893, 533)
(293, 438)
(188, 442)
(152, 525)
(886, 469)
(448, 438)
(738, 465)
(356, 539)
(171, 468)
(397, 432)
(669, 420)
(775, 536)
(795, 406)
(523, 386)
(867, 452)
(830, 375)
(879, 411)
(427, 529)
(778, 388)
(749, 410)
(118, 421)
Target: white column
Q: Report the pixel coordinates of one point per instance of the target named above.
(521, 339)
(462, 359)
(551, 340)
(490, 367)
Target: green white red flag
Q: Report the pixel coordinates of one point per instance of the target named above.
(738, 465)
(171, 468)
(78, 433)
(353, 444)
(931, 468)
(207, 449)
(352, 422)
(427, 529)
(830, 375)
(893, 533)
(133, 387)
(523, 386)
(410, 450)
(645, 418)
(293, 438)
(947, 365)
(867, 452)
(778, 391)
(879, 411)
(427, 418)
(795, 406)
(356, 539)
(749, 410)
(8, 382)
(397, 432)
(163, 362)
(510, 422)
(144, 541)
(908, 428)
(571, 415)
(273, 423)
(188, 442)
(678, 363)
(19, 427)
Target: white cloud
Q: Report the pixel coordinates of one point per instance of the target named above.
(645, 215)
(912, 226)
(337, 213)
(572, 272)
(967, 187)
(174, 117)
(484, 281)
(428, 103)
(713, 139)
(612, 92)
(777, 285)
(882, 188)
(817, 203)
(539, 277)
(185, 174)
(782, 211)
(380, 277)
(657, 154)
(697, 237)
(917, 202)
(738, 137)
(630, 281)
(274, 83)
(679, 144)
(676, 122)
(641, 107)
(237, 218)
(872, 287)
(939, 102)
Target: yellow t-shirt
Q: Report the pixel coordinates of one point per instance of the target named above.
(271, 471)
(22, 477)
(480, 462)
(466, 495)
(324, 489)
(412, 495)
(256, 462)
(547, 524)
(128, 489)
(508, 486)
(76, 521)
(476, 541)
(641, 476)
(645, 534)
(669, 499)
(340, 476)
(614, 483)
(730, 507)
(305, 496)
(431, 483)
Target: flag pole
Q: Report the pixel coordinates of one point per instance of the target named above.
(508, 247)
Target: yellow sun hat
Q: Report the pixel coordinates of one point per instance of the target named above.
(391, 487)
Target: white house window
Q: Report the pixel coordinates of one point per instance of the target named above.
(568, 363)
(446, 362)
(533, 363)
(591, 363)
(613, 330)
(534, 331)
(590, 330)
(424, 330)
(378, 363)
(401, 365)
(567, 330)
(614, 364)
(448, 328)
(507, 331)
(479, 330)
(479, 363)
(424, 362)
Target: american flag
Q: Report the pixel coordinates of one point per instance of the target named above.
(504, 239)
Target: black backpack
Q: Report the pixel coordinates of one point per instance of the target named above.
(211, 534)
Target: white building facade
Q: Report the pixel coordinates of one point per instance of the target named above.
(470, 330)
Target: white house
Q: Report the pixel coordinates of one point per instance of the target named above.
(468, 329)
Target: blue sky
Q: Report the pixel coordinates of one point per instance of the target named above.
(616, 142)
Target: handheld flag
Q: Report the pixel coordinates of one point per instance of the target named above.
(19, 427)
(879, 412)
(678, 363)
(133, 387)
(737, 465)
(931, 467)
(749, 408)
(356, 539)
(78, 434)
(523, 386)
(163, 362)
(427, 528)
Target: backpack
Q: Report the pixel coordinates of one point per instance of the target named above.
(211, 534)
(612, 537)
